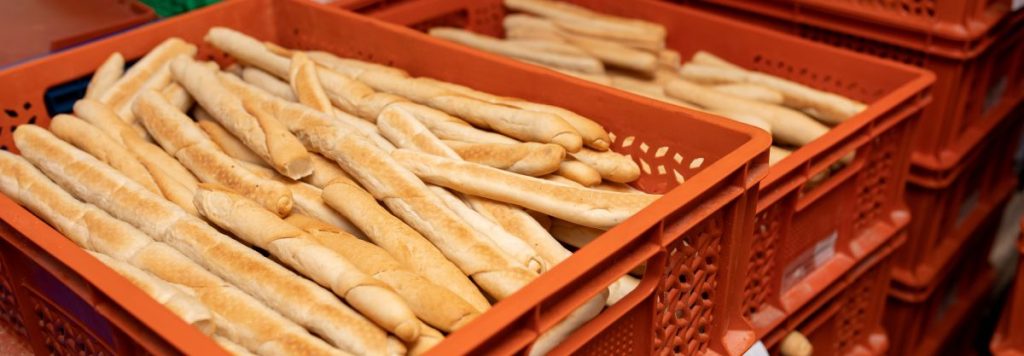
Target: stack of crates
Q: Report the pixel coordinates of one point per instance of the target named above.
(961, 171)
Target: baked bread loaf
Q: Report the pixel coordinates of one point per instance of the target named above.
(530, 158)
(105, 76)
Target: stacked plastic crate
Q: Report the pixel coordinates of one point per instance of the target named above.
(961, 170)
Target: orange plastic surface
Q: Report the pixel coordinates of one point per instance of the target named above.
(1008, 339)
(977, 81)
(847, 318)
(693, 240)
(855, 211)
(923, 321)
(944, 217)
(36, 27)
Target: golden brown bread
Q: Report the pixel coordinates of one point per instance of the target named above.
(611, 53)
(268, 82)
(579, 20)
(297, 298)
(298, 250)
(263, 134)
(184, 305)
(238, 316)
(610, 165)
(302, 76)
(227, 143)
(751, 91)
(432, 303)
(588, 207)
(182, 139)
(177, 96)
(529, 158)
(105, 76)
(579, 63)
(150, 73)
(579, 172)
(401, 191)
(92, 140)
(788, 126)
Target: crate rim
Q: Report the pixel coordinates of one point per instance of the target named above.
(749, 158)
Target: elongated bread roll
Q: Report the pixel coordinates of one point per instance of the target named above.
(447, 127)
(239, 316)
(296, 249)
(555, 45)
(530, 158)
(636, 33)
(711, 75)
(429, 337)
(324, 171)
(177, 96)
(588, 207)
(181, 138)
(304, 82)
(143, 73)
(609, 52)
(231, 347)
(670, 58)
(406, 132)
(612, 166)
(398, 189)
(295, 297)
(520, 224)
(705, 58)
(776, 154)
(579, 172)
(827, 107)
(788, 126)
(329, 60)
(434, 304)
(583, 64)
(92, 140)
(263, 134)
(751, 91)
(308, 200)
(105, 76)
(268, 82)
(572, 234)
(559, 332)
(401, 241)
(227, 143)
(742, 116)
(593, 134)
(185, 306)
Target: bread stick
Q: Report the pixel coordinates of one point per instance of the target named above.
(105, 76)
(579, 20)
(305, 84)
(572, 234)
(532, 159)
(593, 134)
(301, 252)
(177, 96)
(185, 306)
(231, 347)
(752, 92)
(788, 126)
(262, 134)
(609, 52)
(92, 140)
(240, 317)
(182, 139)
(610, 165)
(280, 288)
(227, 142)
(546, 45)
(149, 72)
(268, 82)
(579, 63)
(705, 58)
(579, 172)
(776, 154)
(588, 207)
(432, 303)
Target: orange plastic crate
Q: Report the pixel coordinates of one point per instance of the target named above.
(1008, 339)
(976, 82)
(923, 321)
(804, 238)
(846, 319)
(691, 240)
(943, 218)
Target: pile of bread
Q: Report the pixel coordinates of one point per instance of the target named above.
(630, 54)
(318, 205)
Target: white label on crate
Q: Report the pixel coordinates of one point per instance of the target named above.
(1018, 4)
(757, 350)
(968, 206)
(810, 260)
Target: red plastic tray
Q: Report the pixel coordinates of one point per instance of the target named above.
(925, 320)
(846, 318)
(943, 218)
(847, 217)
(976, 81)
(36, 27)
(1008, 339)
(692, 240)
